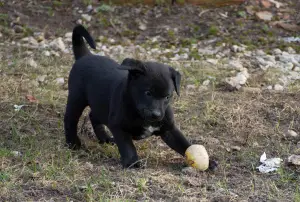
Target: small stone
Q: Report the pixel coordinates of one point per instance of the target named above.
(236, 64)
(86, 17)
(260, 52)
(89, 165)
(68, 35)
(1, 35)
(278, 87)
(16, 153)
(296, 69)
(89, 8)
(212, 61)
(294, 159)
(292, 133)
(79, 21)
(58, 44)
(60, 81)
(142, 26)
(32, 63)
(290, 50)
(55, 53)
(18, 29)
(206, 82)
(277, 51)
(269, 87)
(289, 66)
(30, 40)
(46, 53)
(42, 78)
(235, 48)
(191, 87)
(264, 15)
(236, 148)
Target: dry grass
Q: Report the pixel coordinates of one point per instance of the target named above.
(220, 120)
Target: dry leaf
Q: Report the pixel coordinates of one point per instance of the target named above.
(30, 98)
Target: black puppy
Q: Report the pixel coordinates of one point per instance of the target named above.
(131, 99)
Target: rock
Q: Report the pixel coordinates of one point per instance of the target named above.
(206, 82)
(89, 8)
(89, 165)
(58, 44)
(236, 64)
(142, 26)
(16, 153)
(60, 81)
(260, 52)
(277, 51)
(212, 61)
(1, 35)
(278, 87)
(294, 159)
(79, 21)
(46, 53)
(236, 148)
(30, 40)
(269, 87)
(235, 48)
(190, 87)
(41, 79)
(290, 50)
(239, 79)
(39, 36)
(18, 29)
(32, 63)
(86, 17)
(292, 133)
(264, 15)
(68, 35)
(296, 69)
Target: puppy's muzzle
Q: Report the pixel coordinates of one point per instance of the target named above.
(152, 115)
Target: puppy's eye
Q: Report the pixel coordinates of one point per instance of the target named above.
(148, 93)
(168, 97)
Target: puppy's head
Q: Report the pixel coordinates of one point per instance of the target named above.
(151, 87)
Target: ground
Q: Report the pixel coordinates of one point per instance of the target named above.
(236, 127)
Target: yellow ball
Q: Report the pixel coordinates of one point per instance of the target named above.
(197, 157)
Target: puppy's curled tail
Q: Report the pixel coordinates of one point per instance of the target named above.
(79, 47)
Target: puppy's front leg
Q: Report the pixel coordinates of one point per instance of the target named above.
(127, 150)
(175, 140)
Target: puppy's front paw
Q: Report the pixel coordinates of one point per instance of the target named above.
(109, 140)
(132, 163)
(74, 145)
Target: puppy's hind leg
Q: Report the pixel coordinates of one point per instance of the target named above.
(75, 106)
(99, 130)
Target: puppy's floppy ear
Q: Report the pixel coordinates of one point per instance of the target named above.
(176, 78)
(135, 67)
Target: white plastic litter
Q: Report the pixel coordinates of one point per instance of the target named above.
(268, 165)
(18, 107)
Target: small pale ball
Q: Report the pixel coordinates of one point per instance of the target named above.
(197, 157)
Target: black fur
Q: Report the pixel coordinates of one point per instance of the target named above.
(79, 47)
(131, 99)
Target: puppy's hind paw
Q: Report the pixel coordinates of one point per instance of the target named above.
(73, 146)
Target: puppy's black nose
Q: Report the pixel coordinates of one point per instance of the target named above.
(155, 114)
